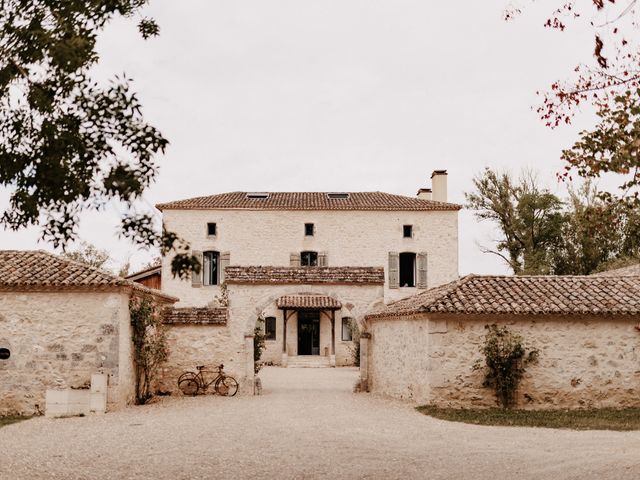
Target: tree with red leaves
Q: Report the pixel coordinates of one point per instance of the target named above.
(611, 84)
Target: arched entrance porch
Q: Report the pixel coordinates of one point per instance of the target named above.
(308, 311)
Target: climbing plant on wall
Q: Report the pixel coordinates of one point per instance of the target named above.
(150, 344)
(258, 343)
(505, 359)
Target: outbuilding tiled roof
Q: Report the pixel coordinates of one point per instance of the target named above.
(524, 295)
(37, 269)
(302, 302)
(630, 271)
(308, 201)
(304, 275)
(195, 316)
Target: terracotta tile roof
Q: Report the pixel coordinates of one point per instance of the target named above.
(524, 295)
(37, 269)
(305, 275)
(302, 302)
(195, 316)
(308, 201)
(630, 271)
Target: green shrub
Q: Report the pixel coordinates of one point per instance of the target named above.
(149, 342)
(258, 344)
(505, 359)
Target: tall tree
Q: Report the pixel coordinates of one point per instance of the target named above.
(528, 216)
(89, 254)
(68, 143)
(592, 233)
(542, 234)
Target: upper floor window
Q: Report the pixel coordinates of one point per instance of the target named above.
(309, 229)
(210, 268)
(407, 231)
(407, 269)
(347, 329)
(270, 328)
(211, 229)
(309, 259)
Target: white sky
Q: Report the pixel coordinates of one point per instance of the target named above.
(338, 95)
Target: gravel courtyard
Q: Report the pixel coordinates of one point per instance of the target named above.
(307, 424)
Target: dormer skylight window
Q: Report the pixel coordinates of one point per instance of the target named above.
(257, 196)
(338, 196)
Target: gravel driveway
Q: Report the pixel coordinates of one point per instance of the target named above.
(307, 424)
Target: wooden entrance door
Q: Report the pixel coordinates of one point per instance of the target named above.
(309, 332)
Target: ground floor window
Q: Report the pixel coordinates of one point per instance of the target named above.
(407, 269)
(210, 268)
(270, 328)
(347, 332)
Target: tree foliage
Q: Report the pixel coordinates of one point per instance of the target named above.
(543, 234)
(67, 143)
(89, 254)
(529, 218)
(610, 83)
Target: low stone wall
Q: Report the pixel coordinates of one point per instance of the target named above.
(589, 361)
(57, 340)
(210, 345)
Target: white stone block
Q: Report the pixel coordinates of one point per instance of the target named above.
(99, 383)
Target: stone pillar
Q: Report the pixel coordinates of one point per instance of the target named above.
(249, 364)
(365, 339)
(98, 396)
(285, 356)
(332, 358)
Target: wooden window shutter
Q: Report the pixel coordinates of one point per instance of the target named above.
(322, 259)
(294, 260)
(196, 278)
(225, 260)
(394, 270)
(422, 270)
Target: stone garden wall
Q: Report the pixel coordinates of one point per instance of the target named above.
(210, 345)
(57, 340)
(590, 361)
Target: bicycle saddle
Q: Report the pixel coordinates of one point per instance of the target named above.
(200, 367)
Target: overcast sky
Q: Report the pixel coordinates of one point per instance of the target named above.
(338, 95)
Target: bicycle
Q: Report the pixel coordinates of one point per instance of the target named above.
(190, 383)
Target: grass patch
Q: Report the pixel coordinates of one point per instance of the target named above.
(593, 419)
(4, 421)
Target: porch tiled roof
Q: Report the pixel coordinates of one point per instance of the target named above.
(302, 302)
(308, 201)
(195, 316)
(524, 295)
(304, 275)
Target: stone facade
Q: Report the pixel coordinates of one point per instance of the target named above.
(350, 238)
(57, 340)
(585, 361)
(249, 302)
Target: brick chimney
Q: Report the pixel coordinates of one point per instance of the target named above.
(424, 194)
(439, 185)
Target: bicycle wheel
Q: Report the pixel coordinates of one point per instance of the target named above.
(186, 375)
(189, 386)
(226, 386)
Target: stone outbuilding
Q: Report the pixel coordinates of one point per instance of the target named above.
(62, 321)
(586, 329)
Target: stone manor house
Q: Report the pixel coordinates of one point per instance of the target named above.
(309, 264)
(312, 269)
